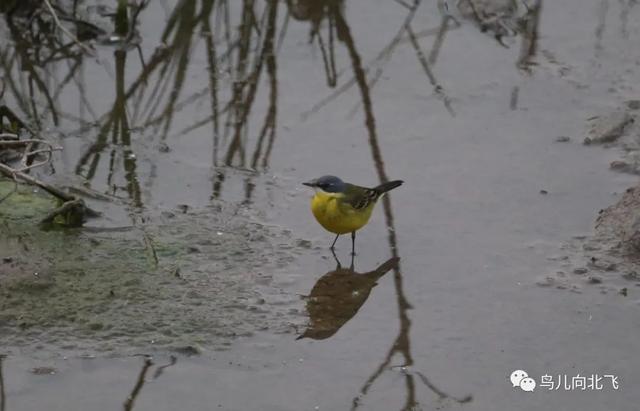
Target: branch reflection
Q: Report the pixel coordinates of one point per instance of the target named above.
(2, 393)
(131, 399)
(240, 48)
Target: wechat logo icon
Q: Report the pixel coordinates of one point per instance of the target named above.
(520, 378)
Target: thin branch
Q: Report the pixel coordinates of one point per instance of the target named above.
(10, 172)
(26, 142)
(29, 153)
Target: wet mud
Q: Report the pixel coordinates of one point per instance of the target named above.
(181, 279)
(607, 260)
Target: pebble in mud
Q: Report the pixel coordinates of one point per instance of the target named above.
(591, 247)
(187, 350)
(608, 128)
(597, 264)
(546, 281)
(633, 104)
(624, 167)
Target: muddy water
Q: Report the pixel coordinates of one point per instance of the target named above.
(200, 159)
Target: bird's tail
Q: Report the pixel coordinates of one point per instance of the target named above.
(388, 186)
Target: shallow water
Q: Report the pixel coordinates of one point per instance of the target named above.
(489, 205)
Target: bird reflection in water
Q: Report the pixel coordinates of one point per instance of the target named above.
(338, 295)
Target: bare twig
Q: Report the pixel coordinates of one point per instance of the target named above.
(28, 156)
(26, 163)
(9, 141)
(26, 142)
(31, 150)
(11, 173)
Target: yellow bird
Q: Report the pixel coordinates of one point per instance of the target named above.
(343, 208)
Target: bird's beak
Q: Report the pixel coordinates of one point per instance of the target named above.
(311, 183)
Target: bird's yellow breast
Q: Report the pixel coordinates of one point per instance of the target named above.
(338, 216)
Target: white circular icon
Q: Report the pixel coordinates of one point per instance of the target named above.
(517, 376)
(528, 384)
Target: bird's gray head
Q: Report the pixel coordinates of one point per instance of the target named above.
(330, 184)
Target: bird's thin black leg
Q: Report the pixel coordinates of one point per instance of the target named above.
(334, 242)
(353, 243)
(339, 266)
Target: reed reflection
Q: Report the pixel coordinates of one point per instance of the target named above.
(237, 61)
(116, 123)
(130, 401)
(315, 12)
(2, 393)
(239, 44)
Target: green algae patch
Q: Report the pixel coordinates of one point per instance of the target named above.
(193, 279)
(25, 204)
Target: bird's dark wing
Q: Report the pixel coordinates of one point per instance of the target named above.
(360, 197)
